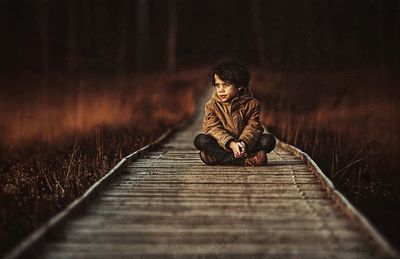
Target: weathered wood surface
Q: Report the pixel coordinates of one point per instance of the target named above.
(168, 204)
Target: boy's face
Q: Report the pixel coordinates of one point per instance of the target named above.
(225, 91)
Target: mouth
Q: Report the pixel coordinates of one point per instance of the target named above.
(222, 96)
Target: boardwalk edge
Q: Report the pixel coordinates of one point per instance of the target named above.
(342, 200)
(38, 234)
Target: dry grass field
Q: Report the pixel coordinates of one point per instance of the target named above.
(348, 122)
(55, 143)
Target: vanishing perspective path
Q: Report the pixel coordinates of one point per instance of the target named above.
(167, 204)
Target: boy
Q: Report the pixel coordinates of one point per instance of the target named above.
(233, 134)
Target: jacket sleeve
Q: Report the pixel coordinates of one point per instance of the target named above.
(213, 126)
(253, 129)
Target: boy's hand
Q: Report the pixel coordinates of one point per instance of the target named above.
(242, 147)
(238, 149)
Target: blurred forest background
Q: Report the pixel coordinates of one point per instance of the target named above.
(84, 83)
(145, 35)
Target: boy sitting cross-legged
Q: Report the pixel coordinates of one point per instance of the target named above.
(233, 134)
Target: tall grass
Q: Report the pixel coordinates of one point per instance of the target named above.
(348, 122)
(56, 143)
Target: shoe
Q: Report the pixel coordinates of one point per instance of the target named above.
(257, 159)
(207, 159)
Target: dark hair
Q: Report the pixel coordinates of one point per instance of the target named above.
(231, 72)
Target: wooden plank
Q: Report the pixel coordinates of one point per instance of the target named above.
(268, 197)
(317, 237)
(277, 255)
(218, 187)
(213, 248)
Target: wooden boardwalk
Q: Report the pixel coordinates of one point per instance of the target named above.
(168, 204)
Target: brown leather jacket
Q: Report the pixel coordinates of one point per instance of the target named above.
(237, 120)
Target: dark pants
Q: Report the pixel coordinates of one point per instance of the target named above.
(210, 145)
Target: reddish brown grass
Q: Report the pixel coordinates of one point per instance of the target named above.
(57, 143)
(347, 121)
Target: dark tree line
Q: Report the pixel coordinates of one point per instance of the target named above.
(124, 36)
(76, 36)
